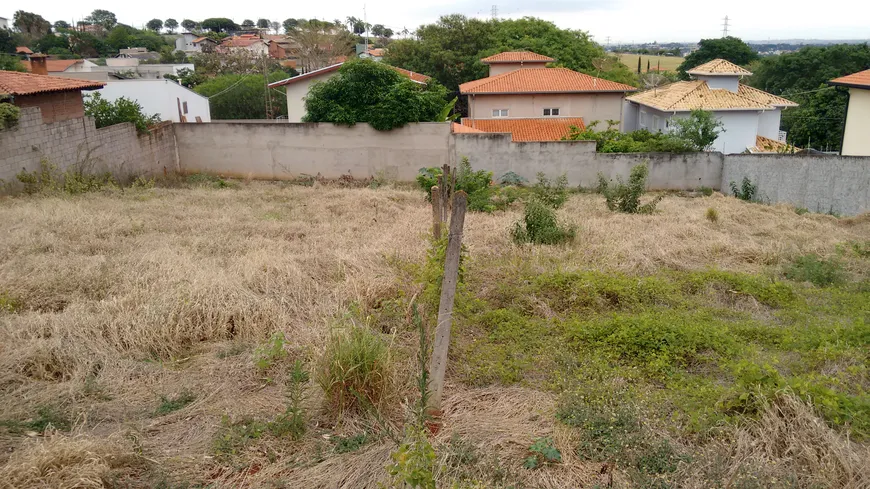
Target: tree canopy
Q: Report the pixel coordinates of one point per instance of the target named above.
(729, 48)
(247, 23)
(103, 18)
(242, 96)
(219, 24)
(170, 24)
(154, 25)
(188, 24)
(367, 91)
(263, 23)
(31, 25)
(10, 63)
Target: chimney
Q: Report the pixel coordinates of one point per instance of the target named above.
(38, 65)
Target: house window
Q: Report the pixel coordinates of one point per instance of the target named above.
(499, 112)
(551, 111)
(184, 106)
(655, 125)
(643, 120)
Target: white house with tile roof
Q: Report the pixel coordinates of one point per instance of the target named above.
(750, 117)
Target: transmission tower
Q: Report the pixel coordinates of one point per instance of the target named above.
(494, 11)
(725, 27)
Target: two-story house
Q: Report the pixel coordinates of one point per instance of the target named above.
(523, 97)
(856, 134)
(193, 43)
(750, 117)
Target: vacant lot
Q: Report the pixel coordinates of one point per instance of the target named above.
(668, 63)
(138, 342)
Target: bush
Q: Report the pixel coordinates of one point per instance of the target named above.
(355, 370)
(476, 184)
(819, 272)
(641, 141)
(701, 128)
(623, 197)
(746, 191)
(107, 113)
(540, 226)
(9, 115)
(73, 181)
(712, 215)
(551, 194)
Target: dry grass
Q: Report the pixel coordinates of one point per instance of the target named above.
(125, 297)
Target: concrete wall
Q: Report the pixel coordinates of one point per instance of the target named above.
(838, 184)
(590, 106)
(285, 151)
(77, 142)
(160, 97)
(856, 140)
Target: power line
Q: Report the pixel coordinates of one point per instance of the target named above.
(240, 80)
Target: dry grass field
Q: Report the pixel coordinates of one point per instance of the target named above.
(658, 350)
(669, 63)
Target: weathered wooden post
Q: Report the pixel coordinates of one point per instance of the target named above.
(438, 362)
(437, 213)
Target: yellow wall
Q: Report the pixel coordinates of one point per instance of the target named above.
(590, 106)
(856, 140)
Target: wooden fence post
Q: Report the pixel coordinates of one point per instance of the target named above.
(438, 362)
(436, 212)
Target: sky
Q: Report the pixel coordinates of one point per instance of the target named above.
(622, 21)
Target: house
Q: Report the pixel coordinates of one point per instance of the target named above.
(165, 97)
(4, 23)
(856, 135)
(141, 54)
(193, 43)
(297, 87)
(247, 42)
(58, 99)
(56, 66)
(745, 112)
(23, 51)
(535, 103)
(376, 54)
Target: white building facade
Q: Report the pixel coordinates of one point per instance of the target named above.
(172, 101)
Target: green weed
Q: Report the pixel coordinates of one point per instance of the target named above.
(355, 370)
(271, 352)
(540, 226)
(712, 215)
(706, 191)
(8, 304)
(292, 421)
(170, 404)
(625, 197)
(746, 191)
(350, 443)
(553, 194)
(818, 271)
(542, 452)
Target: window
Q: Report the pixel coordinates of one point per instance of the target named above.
(499, 112)
(655, 125)
(554, 111)
(643, 120)
(184, 105)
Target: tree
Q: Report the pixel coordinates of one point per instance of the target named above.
(701, 128)
(378, 30)
(187, 77)
(219, 24)
(51, 41)
(728, 48)
(357, 26)
(103, 18)
(290, 24)
(247, 24)
(275, 25)
(367, 91)
(61, 24)
(171, 25)
(638, 65)
(106, 113)
(9, 40)
(263, 23)
(239, 61)
(188, 24)
(30, 25)
(123, 36)
(10, 63)
(319, 44)
(388, 33)
(242, 96)
(154, 25)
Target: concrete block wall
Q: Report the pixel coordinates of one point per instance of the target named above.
(77, 142)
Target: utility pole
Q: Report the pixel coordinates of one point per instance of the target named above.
(725, 27)
(366, 27)
(494, 12)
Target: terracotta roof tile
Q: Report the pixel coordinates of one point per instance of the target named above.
(542, 80)
(696, 94)
(23, 50)
(417, 77)
(517, 57)
(860, 80)
(463, 129)
(718, 67)
(763, 97)
(546, 129)
(201, 39)
(767, 145)
(378, 52)
(54, 65)
(15, 83)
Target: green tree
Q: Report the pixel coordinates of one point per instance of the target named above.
(188, 24)
(701, 128)
(290, 24)
(103, 18)
(171, 25)
(247, 24)
(366, 91)
(242, 96)
(219, 24)
(10, 63)
(357, 26)
(729, 48)
(61, 24)
(51, 41)
(106, 113)
(378, 30)
(9, 40)
(30, 25)
(263, 23)
(154, 25)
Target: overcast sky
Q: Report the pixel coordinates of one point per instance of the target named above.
(620, 20)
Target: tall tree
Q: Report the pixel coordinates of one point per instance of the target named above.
(219, 24)
(61, 24)
(276, 26)
(102, 18)
(263, 23)
(729, 48)
(155, 25)
(170, 24)
(30, 25)
(9, 62)
(9, 40)
(188, 24)
(378, 30)
(320, 45)
(638, 65)
(357, 26)
(247, 24)
(242, 96)
(290, 24)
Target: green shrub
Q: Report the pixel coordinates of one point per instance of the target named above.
(551, 194)
(818, 271)
(476, 184)
(292, 420)
(270, 352)
(540, 226)
(623, 197)
(8, 304)
(712, 215)
(542, 452)
(355, 370)
(170, 404)
(706, 191)
(612, 140)
(801, 210)
(107, 113)
(350, 443)
(9, 115)
(233, 437)
(746, 191)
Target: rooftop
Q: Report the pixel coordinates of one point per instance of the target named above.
(517, 57)
(767, 145)
(15, 83)
(718, 67)
(415, 77)
(23, 50)
(855, 80)
(542, 80)
(545, 129)
(696, 94)
(54, 65)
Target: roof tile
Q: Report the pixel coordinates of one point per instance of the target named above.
(547, 129)
(15, 83)
(860, 79)
(718, 67)
(517, 57)
(767, 145)
(54, 65)
(542, 80)
(764, 97)
(696, 94)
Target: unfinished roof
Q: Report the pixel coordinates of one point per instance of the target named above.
(544, 129)
(542, 80)
(767, 145)
(415, 77)
(54, 65)
(696, 94)
(517, 57)
(718, 67)
(15, 83)
(764, 97)
(855, 80)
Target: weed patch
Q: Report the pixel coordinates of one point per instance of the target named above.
(540, 226)
(350, 443)
(746, 191)
(625, 197)
(355, 371)
(171, 404)
(818, 271)
(542, 452)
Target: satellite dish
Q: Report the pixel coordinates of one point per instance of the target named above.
(653, 80)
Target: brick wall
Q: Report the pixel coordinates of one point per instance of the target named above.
(77, 143)
(55, 106)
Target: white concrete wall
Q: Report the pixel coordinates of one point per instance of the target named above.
(499, 68)
(730, 83)
(768, 123)
(856, 139)
(160, 97)
(590, 106)
(741, 127)
(296, 93)
(124, 62)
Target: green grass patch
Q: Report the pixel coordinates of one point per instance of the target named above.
(818, 271)
(172, 404)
